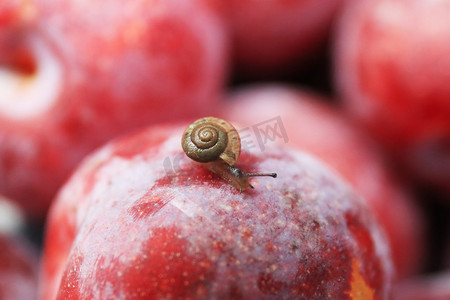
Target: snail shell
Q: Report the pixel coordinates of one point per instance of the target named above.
(215, 144)
(210, 139)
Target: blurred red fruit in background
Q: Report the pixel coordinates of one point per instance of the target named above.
(425, 287)
(392, 68)
(78, 73)
(269, 37)
(18, 259)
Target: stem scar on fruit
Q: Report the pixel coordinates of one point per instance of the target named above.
(216, 145)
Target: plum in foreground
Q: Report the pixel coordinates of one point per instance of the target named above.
(140, 220)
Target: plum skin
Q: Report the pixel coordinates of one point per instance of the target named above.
(125, 227)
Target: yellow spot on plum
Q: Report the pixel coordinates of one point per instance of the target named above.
(360, 290)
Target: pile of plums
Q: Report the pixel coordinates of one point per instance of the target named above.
(225, 149)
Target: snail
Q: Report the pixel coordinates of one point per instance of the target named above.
(216, 145)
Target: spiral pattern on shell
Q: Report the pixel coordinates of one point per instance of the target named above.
(209, 139)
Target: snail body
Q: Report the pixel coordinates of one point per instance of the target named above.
(216, 145)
